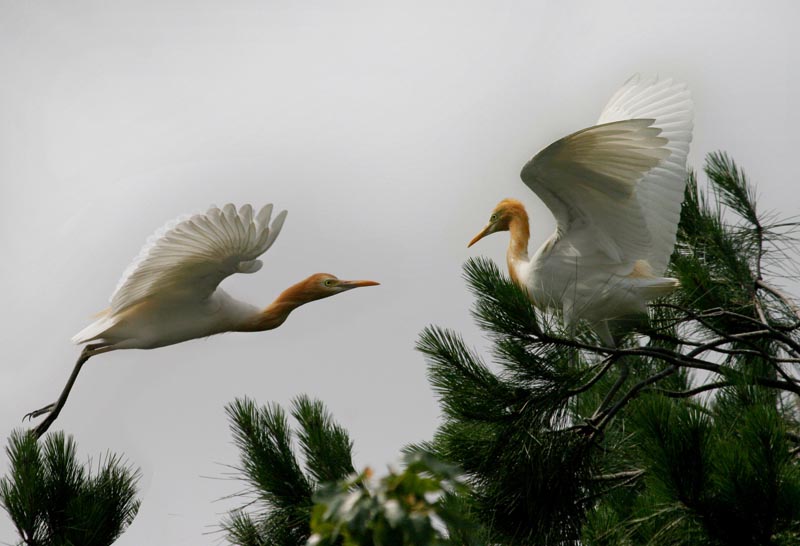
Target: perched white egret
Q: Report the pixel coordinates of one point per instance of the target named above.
(615, 190)
(170, 293)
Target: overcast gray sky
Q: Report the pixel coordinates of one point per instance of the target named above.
(389, 131)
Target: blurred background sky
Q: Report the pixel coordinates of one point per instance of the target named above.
(388, 130)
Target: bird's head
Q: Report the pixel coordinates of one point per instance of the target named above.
(323, 285)
(315, 287)
(502, 216)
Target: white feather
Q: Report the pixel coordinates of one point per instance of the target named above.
(660, 191)
(621, 182)
(188, 257)
(616, 191)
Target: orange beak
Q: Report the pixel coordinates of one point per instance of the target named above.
(347, 285)
(484, 232)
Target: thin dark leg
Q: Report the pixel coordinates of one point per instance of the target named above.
(52, 410)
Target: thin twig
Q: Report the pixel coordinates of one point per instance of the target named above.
(634, 391)
(786, 300)
(623, 376)
(609, 361)
(618, 476)
(691, 392)
(626, 477)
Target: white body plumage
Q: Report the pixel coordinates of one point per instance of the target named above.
(170, 292)
(616, 190)
(163, 321)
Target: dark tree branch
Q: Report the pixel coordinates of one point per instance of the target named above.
(633, 392)
(609, 361)
(692, 392)
(623, 376)
(627, 478)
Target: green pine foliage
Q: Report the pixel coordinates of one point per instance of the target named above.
(685, 434)
(281, 484)
(55, 500)
(506, 428)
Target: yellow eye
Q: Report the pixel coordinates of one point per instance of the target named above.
(329, 282)
(493, 218)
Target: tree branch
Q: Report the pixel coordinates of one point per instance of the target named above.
(626, 477)
(691, 392)
(618, 476)
(623, 376)
(786, 300)
(634, 391)
(599, 375)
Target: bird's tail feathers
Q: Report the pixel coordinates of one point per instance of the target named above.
(655, 287)
(95, 330)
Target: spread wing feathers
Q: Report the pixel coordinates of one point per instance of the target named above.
(589, 181)
(189, 256)
(660, 192)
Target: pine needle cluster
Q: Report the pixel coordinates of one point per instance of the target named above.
(281, 483)
(55, 500)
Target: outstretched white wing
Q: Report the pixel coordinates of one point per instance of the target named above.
(660, 192)
(191, 255)
(618, 187)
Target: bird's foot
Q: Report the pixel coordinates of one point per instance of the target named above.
(41, 411)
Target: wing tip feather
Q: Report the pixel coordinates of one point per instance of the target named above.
(219, 229)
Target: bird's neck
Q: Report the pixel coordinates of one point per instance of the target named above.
(517, 253)
(278, 311)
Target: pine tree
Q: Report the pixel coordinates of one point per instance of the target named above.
(685, 434)
(281, 487)
(54, 500)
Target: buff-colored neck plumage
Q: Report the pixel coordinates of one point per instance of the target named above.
(519, 229)
(278, 311)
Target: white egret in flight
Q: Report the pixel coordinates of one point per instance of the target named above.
(615, 190)
(170, 293)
